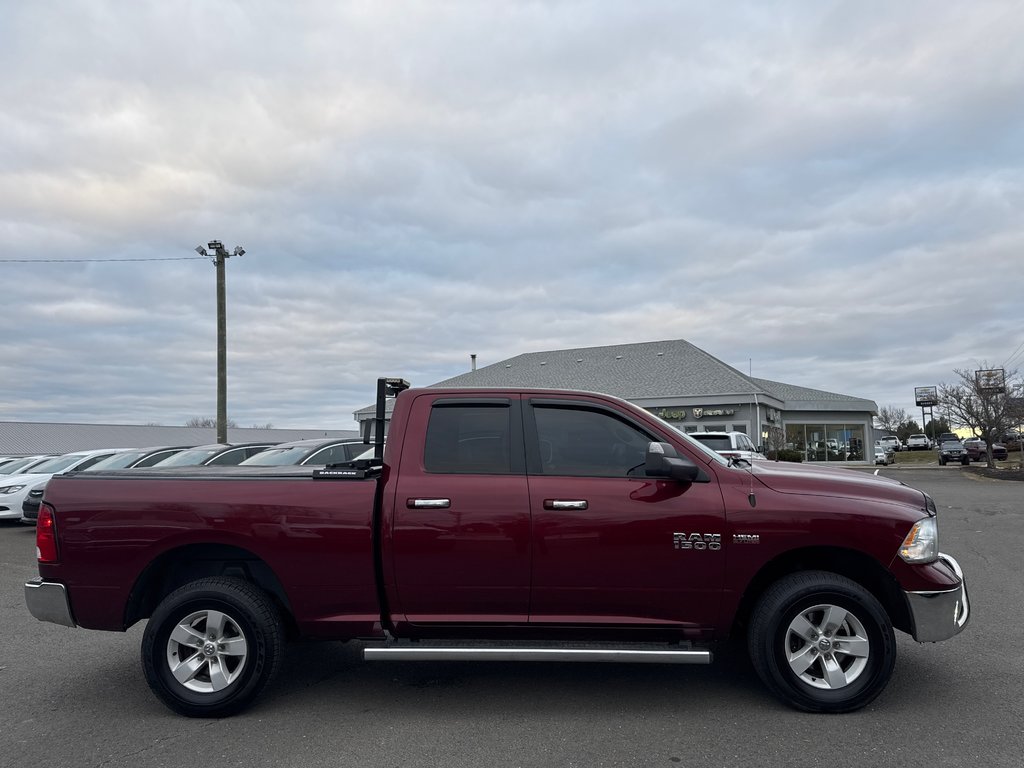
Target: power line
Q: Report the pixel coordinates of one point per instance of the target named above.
(1011, 357)
(86, 261)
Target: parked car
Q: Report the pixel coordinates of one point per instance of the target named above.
(953, 451)
(216, 454)
(977, 450)
(892, 442)
(918, 443)
(731, 445)
(141, 457)
(14, 489)
(317, 453)
(1012, 441)
(884, 456)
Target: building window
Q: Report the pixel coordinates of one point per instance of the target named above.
(827, 442)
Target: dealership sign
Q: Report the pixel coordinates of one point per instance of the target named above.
(698, 413)
(926, 396)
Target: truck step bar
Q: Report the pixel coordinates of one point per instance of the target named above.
(565, 653)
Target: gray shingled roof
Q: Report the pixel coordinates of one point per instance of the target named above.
(19, 438)
(797, 397)
(630, 371)
(654, 369)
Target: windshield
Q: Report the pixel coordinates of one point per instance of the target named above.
(190, 458)
(117, 461)
(19, 464)
(276, 457)
(59, 464)
(715, 443)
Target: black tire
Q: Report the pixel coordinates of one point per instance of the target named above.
(233, 660)
(840, 670)
(965, 462)
(942, 462)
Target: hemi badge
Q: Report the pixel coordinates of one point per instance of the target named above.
(746, 538)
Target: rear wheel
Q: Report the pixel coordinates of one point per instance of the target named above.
(212, 646)
(822, 643)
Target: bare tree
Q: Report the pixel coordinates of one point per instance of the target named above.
(891, 419)
(983, 404)
(206, 421)
(775, 442)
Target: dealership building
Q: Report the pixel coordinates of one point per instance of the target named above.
(695, 392)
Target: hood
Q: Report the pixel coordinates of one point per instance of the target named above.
(813, 480)
(24, 479)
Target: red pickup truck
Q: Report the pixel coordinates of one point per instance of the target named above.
(532, 525)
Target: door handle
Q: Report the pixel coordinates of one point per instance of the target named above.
(428, 503)
(565, 504)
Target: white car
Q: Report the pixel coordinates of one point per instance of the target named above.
(14, 489)
(883, 455)
(731, 445)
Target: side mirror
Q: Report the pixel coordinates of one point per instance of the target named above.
(662, 460)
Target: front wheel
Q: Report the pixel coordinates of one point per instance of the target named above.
(821, 642)
(212, 646)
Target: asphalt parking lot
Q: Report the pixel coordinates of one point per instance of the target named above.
(78, 698)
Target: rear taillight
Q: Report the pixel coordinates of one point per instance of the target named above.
(46, 535)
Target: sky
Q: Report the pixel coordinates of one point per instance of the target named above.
(827, 194)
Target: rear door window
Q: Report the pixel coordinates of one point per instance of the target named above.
(469, 438)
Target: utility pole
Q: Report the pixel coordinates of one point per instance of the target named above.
(219, 254)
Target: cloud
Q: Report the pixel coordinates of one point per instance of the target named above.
(829, 196)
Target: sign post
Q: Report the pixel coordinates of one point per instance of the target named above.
(927, 397)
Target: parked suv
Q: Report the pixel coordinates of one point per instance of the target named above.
(953, 450)
(883, 455)
(731, 445)
(976, 449)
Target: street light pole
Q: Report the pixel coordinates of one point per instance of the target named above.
(219, 254)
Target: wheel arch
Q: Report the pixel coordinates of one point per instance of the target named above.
(851, 563)
(181, 565)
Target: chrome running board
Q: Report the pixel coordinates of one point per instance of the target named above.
(576, 653)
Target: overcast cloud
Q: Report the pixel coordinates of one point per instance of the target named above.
(827, 193)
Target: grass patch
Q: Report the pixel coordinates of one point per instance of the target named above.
(924, 458)
(917, 458)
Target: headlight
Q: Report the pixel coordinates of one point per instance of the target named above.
(11, 488)
(922, 543)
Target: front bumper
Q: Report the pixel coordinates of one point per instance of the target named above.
(30, 510)
(940, 615)
(48, 601)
